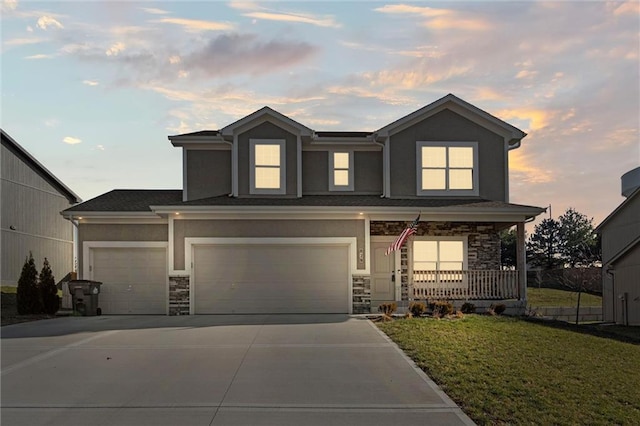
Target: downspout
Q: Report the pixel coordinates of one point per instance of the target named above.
(374, 138)
(612, 273)
(233, 166)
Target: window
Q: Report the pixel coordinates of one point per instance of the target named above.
(267, 166)
(447, 167)
(341, 171)
(436, 260)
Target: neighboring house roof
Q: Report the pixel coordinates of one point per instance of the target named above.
(18, 150)
(343, 134)
(512, 134)
(144, 201)
(599, 229)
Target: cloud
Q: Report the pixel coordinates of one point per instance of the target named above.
(9, 5)
(23, 41)
(247, 54)
(155, 11)
(71, 140)
(115, 49)
(90, 82)
(100, 147)
(194, 25)
(289, 17)
(40, 56)
(51, 122)
(438, 19)
(46, 22)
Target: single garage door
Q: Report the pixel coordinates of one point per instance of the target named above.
(271, 278)
(134, 279)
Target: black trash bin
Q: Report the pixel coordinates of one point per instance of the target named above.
(84, 296)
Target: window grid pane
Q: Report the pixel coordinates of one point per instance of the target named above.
(341, 160)
(267, 178)
(447, 168)
(267, 155)
(341, 177)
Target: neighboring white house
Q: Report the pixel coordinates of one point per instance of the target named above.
(620, 233)
(32, 199)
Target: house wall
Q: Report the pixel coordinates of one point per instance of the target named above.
(263, 229)
(208, 173)
(32, 206)
(448, 126)
(621, 229)
(119, 232)
(367, 166)
(267, 130)
(483, 249)
(617, 234)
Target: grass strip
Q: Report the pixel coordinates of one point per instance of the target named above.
(503, 370)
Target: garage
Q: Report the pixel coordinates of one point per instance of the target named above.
(271, 278)
(134, 279)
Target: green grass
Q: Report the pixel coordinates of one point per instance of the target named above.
(503, 370)
(8, 289)
(537, 297)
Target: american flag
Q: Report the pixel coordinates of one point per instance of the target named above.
(406, 233)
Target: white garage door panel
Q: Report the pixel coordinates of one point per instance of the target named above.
(271, 279)
(134, 279)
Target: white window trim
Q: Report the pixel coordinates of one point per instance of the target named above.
(252, 167)
(332, 185)
(457, 192)
(465, 247)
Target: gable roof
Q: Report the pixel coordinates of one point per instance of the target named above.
(264, 114)
(622, 205)
(512, 134)
(30, 160)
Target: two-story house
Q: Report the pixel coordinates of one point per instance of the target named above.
(275, 217)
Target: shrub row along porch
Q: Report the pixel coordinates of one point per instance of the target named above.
(466, 285)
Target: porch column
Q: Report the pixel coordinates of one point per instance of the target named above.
(521, 261)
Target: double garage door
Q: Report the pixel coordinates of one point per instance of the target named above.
(228, 278)
(271, 278)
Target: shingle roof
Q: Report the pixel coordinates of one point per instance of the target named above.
(343, 134)
(199, 133)
(133, 200)
(129, 200)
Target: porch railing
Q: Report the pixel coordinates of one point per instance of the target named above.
(493, 284)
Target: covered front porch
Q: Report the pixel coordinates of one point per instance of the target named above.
(466, 285)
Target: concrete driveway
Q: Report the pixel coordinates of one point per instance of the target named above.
(213, 370)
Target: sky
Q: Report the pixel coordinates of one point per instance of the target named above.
(92, 89)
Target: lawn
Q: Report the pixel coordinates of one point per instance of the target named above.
(504, 370)
(538, 297)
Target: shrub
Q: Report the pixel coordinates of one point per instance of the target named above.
(497, 309)
(387, 308)
(442, 308)
(28, 299)
(468, 308)
(417, 308)
(48, 290)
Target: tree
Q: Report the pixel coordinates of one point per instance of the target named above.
(543, 247)
(508, 248)
(48, 290)
(579, 243)
(28, 297)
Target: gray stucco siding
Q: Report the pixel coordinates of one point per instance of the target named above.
(208, 173)
(267, 130)
(315, 172)
(447, 126)
(263, 229)
(367, 167)
(120, 232)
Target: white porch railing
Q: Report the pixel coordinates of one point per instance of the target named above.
(495, 284)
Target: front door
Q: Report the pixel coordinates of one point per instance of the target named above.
(383, 274)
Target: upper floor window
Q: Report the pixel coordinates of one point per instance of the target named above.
(267, 158)
(341, 171)
(447, 167)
